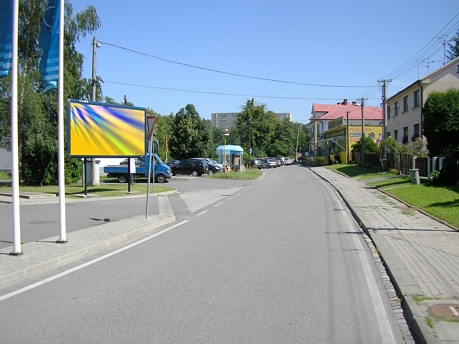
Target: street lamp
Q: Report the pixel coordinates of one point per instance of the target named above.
(225, 135)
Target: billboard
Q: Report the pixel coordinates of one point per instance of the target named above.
(105, 130)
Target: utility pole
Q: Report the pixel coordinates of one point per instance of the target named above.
(347, 137)
(363, 131)
(296, 149)
(250, 146)
(384, 107)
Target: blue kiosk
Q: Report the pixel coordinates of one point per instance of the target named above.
(231, 156)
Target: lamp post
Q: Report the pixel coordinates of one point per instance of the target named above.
(225, 135)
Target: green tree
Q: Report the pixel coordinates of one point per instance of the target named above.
(453, 51)
(370, 146)
(37, 113)
(441, 123)
(188, 134)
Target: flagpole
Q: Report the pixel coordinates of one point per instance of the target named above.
(17, 250)
(61, 158)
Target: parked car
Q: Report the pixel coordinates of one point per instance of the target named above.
(213, 168)
(277, 160)
(287, 161)
(256, 163)
(269, 163)
(194, 167)
(172, 163)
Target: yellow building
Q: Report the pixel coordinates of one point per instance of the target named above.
(337, 142)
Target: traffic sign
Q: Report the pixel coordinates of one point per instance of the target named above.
(151, 122)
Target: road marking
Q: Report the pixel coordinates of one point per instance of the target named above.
(202, 213)
(67, 272)
(218, 204)
(385, 330)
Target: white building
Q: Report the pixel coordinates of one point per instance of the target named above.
(404, 109)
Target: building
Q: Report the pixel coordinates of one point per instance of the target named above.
(334, 128)
(404, 109)
(229, 120)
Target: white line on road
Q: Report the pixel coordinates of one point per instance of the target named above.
(202, 213)
(218, 204)
(62, 274)
(385, 330)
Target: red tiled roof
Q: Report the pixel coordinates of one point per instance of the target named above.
(340, 110)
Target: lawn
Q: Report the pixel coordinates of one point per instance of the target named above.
(109, 187)
(102, 190)
(441, 202)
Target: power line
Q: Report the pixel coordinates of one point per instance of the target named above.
(413, 61)
(233, 74)
(218, 93)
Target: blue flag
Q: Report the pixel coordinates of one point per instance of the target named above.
(6, 37)
(49, 42)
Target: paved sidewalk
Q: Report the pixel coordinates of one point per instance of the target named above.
(420, 254)
(45, 255)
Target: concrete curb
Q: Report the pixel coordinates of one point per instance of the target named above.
(53, 263)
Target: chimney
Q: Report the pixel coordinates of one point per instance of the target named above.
(345, 102)
(354, 103)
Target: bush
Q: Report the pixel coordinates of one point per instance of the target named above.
(449, 175)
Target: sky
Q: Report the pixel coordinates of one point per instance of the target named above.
(287, 54)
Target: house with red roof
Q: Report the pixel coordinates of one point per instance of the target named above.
(334, 128)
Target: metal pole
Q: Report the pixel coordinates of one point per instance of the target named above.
(347, 137)
(363, 131)
(296, 149)
(61, 149)
(147, 206)
(17, 250)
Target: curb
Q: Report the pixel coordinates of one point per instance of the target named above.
(54, 263)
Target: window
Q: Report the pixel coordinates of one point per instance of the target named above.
(405, 135)
(388, 111)
(457, 69)
(405, 104)
(415, 132)
(396, 135)
(396, 109)
(417, 99)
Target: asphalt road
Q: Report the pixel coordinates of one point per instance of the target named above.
(279, 261)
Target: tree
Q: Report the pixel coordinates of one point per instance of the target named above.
(37, 113)
(370, 146)
(187, 138)
(453, 51)
(441, 123)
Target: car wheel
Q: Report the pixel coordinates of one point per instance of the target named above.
(161, 178)
(122, 178)
(194, 173)
(210, 172)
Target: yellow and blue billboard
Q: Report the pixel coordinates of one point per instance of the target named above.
(105, 130)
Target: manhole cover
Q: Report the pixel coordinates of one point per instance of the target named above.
(450, 312)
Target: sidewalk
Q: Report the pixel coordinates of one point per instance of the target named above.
(45, 255)
(420, 254)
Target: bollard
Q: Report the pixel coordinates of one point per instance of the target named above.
(414, 174)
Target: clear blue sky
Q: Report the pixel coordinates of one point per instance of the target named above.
(326, 42)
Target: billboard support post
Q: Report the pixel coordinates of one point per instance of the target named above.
(151, 122)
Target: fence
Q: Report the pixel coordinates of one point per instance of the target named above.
(400, 162)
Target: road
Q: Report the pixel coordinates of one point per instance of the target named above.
(278, 261)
